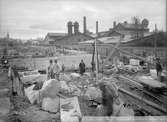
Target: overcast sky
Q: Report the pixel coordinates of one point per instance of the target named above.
(34, 18)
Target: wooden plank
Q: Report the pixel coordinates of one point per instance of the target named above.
(155, 106)
(72, 115)
(131, 81)
(147, 80)
(144, 91)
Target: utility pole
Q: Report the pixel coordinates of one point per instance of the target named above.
(96, 56)
(155, 41)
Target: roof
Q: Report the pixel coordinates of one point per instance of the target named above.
(114, 39)
(148, 41)
(56, 34)
(90, 41)
(67, 36)
(131, 26)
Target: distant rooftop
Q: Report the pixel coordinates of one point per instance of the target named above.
(57, 34)
(132, 26)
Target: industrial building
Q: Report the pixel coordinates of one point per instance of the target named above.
(73, 35)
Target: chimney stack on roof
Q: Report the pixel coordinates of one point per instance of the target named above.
(69, 26)
(76, 27)
(84, 25)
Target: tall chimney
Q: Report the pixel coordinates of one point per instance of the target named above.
(114, 24)
(84, 25)
(69, 26)
(96, 27)
(76, 27)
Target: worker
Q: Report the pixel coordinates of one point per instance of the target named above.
(17, 85)
(56, 70)
(158, 68)
(106, 109)
(50, 70)
(112, 105)
(82, 67)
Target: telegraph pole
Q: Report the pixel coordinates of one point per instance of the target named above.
(96, 56)
(155, 41)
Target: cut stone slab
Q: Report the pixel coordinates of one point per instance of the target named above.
(4, 106)
(72, 114)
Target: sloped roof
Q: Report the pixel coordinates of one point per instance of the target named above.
(67, 36)
(56, 34)
(90, 42)
(131, 26)
(148, 41)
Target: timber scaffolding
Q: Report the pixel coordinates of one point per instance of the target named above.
(155, 98)
(149, 99)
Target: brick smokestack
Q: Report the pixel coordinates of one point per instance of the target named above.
(84, 25)
(114, 24)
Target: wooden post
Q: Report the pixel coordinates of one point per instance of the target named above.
(155, 41)
(96, 52)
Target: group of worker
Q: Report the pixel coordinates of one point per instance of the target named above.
(54, 69)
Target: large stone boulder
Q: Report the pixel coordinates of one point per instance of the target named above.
(50, 88)
(51, 104)
(33, 95)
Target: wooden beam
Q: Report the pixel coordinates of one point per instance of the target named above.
(153, 105)
(132, 81)
(140, 87)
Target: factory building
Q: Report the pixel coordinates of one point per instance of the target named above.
(127, 30)
(73, 35)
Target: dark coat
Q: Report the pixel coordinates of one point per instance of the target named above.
(82, 67)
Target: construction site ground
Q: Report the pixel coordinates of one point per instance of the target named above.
(20, 109)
